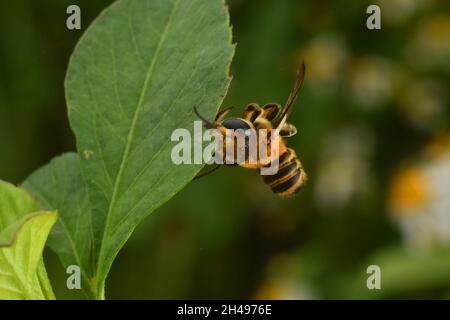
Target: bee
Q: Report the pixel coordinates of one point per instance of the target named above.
(290, 177)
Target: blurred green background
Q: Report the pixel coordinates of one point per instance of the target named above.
(373, 122)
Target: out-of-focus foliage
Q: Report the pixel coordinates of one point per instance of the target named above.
(373, 124)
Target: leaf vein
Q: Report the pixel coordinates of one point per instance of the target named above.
(130, 138)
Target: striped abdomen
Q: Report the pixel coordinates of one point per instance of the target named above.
(290, 177)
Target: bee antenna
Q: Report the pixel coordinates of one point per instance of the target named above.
(208, 123)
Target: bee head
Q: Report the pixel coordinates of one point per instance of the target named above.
(236, 123)
(227, 124)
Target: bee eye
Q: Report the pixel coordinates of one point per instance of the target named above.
(235, 123)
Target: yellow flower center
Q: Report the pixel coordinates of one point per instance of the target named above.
(409, 191)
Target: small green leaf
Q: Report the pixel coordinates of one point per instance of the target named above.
(134, 77)
(23, 233)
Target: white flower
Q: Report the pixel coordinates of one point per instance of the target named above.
(372, 81)
(422, 103)
(420, 203)
(396, 12)
(283, 281)
(429, 45)
(324, 56)
(343, 170)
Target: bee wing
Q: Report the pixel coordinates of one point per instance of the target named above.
(292, 96)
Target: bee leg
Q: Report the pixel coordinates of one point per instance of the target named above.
(270, 111)
(206, 122)
(221, 115)
(288, 130)
(262, 123)
(205, 173)
(251, 112)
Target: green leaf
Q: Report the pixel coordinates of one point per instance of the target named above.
(133, 78)
(60, 185)
(23, 233)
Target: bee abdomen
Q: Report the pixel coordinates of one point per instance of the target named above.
(290, 186)
(290, 177)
